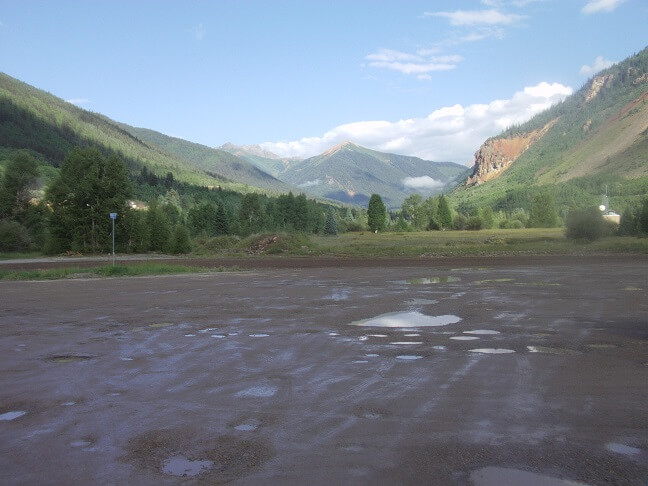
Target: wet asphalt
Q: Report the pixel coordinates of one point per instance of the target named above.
(425, 374)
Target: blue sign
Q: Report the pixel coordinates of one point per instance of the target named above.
(113, 215)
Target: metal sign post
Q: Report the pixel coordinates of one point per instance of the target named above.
(113, 217)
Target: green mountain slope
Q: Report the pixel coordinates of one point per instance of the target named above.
(264, 160)
(212, 161)
(597, 136)
(350, 173)
(50, 127)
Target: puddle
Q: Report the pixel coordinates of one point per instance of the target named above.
(372, 355)
(69, 358)
(352, 448)
(483, 332)
(181, 466)
(260, 391)
(601, 346)
(547, 350)
(464, 338)
(429, 280)
(218, 336)
(161, 324)
(622, 449)
(439, 348)
(208, 329)
(412, 334)
(422, 302)
(339, 295)
(189, 335)
(407, 320)
(406, 343)
(68, 404)
(80, 443)
(258, 335)
(632, 289)
(408, 357)
(246, 427)
(333, 334)
(494, 280)
(372, 415)
(363, 338)
(492, 350)
(360, 361)
(498, 476)
(12, 415)
(378, 335)
(126, 359)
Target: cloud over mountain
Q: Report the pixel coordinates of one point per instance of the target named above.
(451, 133)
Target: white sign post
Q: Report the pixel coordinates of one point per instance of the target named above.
(113, 217)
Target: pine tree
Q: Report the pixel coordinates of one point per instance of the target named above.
(444, 213)
(376, 213)
(181, 243)
(330, 227)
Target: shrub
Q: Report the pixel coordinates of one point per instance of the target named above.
(586, 224)
(459, 222)
(474, 223)
(13, 236)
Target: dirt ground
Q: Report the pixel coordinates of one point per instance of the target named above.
(274, 375)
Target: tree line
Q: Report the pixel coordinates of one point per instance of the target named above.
(73, 213)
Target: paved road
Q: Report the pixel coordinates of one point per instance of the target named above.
(279, 376)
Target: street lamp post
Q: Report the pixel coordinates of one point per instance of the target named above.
(113, 217)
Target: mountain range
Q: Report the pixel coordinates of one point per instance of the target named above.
(350, 173)
(596, 136)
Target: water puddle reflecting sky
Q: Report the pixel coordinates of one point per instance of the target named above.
(498, 476)
(411, 319)
(428, 281)
(492, 351)
(12, 415)
(181, 466)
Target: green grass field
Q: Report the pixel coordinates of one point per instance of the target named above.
(540, 241)
(132, 270)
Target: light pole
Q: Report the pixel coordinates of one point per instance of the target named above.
(113, 217)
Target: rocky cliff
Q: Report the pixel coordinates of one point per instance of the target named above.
(497, 154)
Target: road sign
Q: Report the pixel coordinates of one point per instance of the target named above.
(113, 215)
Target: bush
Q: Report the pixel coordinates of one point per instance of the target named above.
(474, 223)
(459, 222)
(13, 237)
(511, 224)
(586, 224)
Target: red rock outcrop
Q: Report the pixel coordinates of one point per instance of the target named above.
(497, 154)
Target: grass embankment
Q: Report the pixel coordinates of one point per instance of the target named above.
(105, 271)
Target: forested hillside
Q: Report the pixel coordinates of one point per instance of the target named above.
(595, 138)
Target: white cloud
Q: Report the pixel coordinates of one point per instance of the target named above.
(421, 63)
(477, 17)
(315, 182)
(451, 133)
(423, 182)
(78, 101)
(595, 6)
(600, 63)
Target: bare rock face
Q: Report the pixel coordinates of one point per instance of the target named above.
(497, 154)
(597, 83)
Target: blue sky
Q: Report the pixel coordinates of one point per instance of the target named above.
(425, 78)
